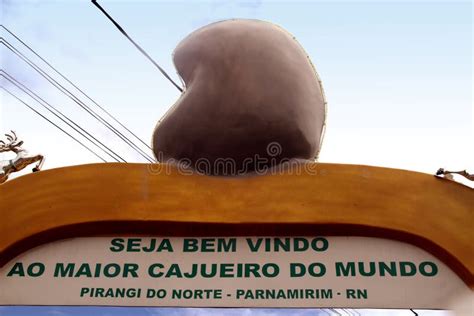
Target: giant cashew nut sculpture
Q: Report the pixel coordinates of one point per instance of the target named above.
(252, 97)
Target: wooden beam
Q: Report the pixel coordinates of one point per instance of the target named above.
(315, 199)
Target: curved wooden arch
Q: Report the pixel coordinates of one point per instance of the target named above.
(320, 199)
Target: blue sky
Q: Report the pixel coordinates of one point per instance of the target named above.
(106, 311)
(398, 77)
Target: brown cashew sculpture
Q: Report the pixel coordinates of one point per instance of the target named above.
(252, 100)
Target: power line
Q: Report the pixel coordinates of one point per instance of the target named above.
(57, 126)
(335, 311)
(136, 45)
(71, 83)
(62, 117)
(65, 119)
(75, 86)
(74, 98)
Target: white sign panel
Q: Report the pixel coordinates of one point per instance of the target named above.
(353, 272)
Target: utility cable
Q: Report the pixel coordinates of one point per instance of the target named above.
(75, 99)
(62, 117)
(136, 45)
(54, 124)
(75, 86)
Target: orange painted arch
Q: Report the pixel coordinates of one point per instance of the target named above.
(320, 199)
